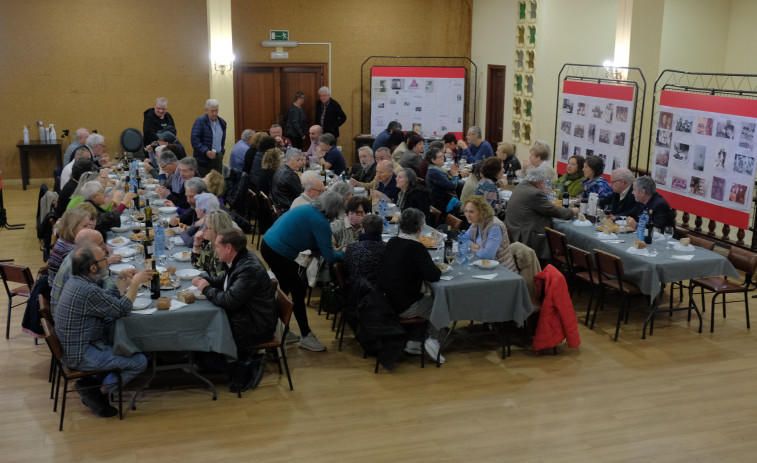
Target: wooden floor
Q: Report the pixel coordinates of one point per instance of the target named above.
(677, 396)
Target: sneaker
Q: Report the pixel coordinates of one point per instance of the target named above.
(310, 342)
(292, 337)
(413, 348)
(432, 350)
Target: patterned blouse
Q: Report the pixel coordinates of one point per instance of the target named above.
(208, 261)
(596, 185)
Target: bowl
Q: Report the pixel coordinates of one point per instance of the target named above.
(486, 263)
(167, 210)
(118, 242)
(118, 268)
(188, 273)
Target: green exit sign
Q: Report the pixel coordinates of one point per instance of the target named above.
(280, 35)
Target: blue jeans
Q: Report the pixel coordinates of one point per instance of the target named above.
(96, 359)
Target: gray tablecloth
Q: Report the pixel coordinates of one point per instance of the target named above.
(648, 272)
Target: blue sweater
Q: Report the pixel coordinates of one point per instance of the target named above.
(300, 229)
(478, 153)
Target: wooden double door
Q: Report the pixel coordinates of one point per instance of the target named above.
(264, 92)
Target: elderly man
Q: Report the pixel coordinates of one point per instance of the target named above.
(314, 133)
(649, 200)
(96, 144)
(382, 154)
(313, 186)
(621, 201)
(478, 149)
(529, 211)
(328, 154)
(245, 293)
(238, 152)
(193, 187)
(80, 138)
(81, 315)
(366, 170)
(208, 139)
(286, 185)
(277, 133)
(165, 138)
(80, 152)
(187, 170)
(387, 182)
(156, 119)
(328, 113)
(382, 139)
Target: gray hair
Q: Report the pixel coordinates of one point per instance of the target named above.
(324, 89)
(343, 188)
(292, 154)
(207, 202)
(536, 175)
(275, 126)
(167, 157)
(438, 144)
(476, 130)
(373, 224)
(383, 149)
(411, 221)
(94, 139)
(80, 133)
(190, 162)
(247, 134)
(410, 177)
(84, 179)
(645, 183)
(82, 149)
(210, 102)
(196, 184)
(328, 139)
(330, 204)
(161, 100)
(542, 146)
(622, 173)
(90, 189)
(309, 178)
(82, 260)
(365, 148)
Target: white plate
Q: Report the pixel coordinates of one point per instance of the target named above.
(680, 247)
(178, 256)
(125, 252)
(585, 223)
(117, 268)
(118, 242)
(188, 273)
(359, 189)
(151, 186)
(141, 303)
(121, 229)
(446, 268)
(167, 210)
(490, 263)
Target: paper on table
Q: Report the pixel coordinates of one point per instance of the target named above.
(684, 257)
(145, 311)
(176, 304)
(446, 277)
(488, 276)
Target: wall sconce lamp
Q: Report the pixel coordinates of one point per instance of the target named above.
(611, 71)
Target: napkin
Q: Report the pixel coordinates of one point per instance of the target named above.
(488, 276)
(638, 252)
(585, 223)
(605, 237)
(145, 311)
(685, 257)
(446, 277)
(177, 304)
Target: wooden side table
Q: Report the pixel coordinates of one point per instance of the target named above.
(36, 148)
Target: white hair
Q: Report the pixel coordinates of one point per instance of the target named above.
(324, 89)
(80, 133)
(90, 189)
(247, 134)
(210, 102)
(309, 178)
(291, 154)
(161, 100)
(366, 149)
(536, 175)
(475, 130)
(94, 139)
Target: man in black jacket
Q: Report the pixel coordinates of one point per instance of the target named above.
(621, 201)
(366, 169)
(244, 292)
(156, 120)
(648, 199)
(328, 112)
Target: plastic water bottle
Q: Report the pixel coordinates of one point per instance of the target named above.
(53, 135)
(463, 243)
(26, 136)
(549, 189)
(641, 227)
(42, 136)
(160, 240)
(382, 210)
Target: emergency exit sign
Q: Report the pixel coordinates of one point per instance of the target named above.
(280, 35)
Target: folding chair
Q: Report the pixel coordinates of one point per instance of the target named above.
(15, 274)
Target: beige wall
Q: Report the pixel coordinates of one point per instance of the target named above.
(742, 37)
(99, 65)
(695, 35)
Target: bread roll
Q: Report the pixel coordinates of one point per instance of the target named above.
(164, 303)
(581, 218)
(685, 241)
(186, 296)
(639, 244)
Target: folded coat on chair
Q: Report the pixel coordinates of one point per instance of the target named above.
(557, 320)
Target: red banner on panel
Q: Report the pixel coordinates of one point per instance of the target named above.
(615, 92)
(417, 71)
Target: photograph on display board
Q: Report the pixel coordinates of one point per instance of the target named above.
(604, 136)
(609, 111)
(721, 157)
(698, 160)
(661, 175)
(665, 121)
(746, 140)
(704, 126)
(581, 110)
(398, 84)
(578, 132)
(663, 138)
(592, 132)
(718, 188)
(619, 139)
(684, 124)
(681, 152)
(429, 86)
(565, 126)
(565, 151)
(567, 106)
(621, 113)
(577, 151)
(698, 186)
(379, 89)
(662, 157)
(616, 163)
(596, 111)
(678, 183)
(743, 164)
(738, 193)
(724, 129)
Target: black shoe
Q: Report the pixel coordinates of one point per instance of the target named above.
(258, 365)
(94, 400)
(241, 377)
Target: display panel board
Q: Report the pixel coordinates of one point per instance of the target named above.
(595, 119)
(428, 100)
(703, 156)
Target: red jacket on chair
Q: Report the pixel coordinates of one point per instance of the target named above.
(557, 320)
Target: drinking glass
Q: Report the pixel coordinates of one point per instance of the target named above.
(668, 232)
(139, 259)
(163, 260)
(449, 255)
(169, 243)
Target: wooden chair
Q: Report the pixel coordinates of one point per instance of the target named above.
(44, 309)
(15, 274)
(720, 286)
(284, 306)
(582, 270)
(268, 204)
(436, 217)
(558, 249)
(254, 210)
(612, 278)
(699, 242)
(453, 222)
(266, 215)
(71, 375)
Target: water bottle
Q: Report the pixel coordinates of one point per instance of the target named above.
(463, 243)
(382, 210)
(549, 190)
(26, 136)
(641, 227)
(41, 131)
(160, 240)
(53, 135)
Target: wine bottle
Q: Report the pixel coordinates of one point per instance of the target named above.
(155, 283)
(148, 214)
(649, 230)
(148, 244)
(565, 196)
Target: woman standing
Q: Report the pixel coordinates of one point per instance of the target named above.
(294, 129)
(491, 173)
(571, 181)
(442, 184)
(487, 234)
(594, 182)
(412, 193)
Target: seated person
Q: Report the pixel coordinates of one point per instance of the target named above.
(188, 216)
(286, 185)
(538, 156)
(413, 157)
(314, 187)
(406, 265)
(269, 164)
(167, 174)
(346, 230)
(491, 173)
(329, 156)
(648, 199)
(187, 170)
(205, 203)
(382, 154)
(81, 315)
(253, 161)
(80, 152)
(594, 167)
(478, 148)
(366, 169)
(362, 259)
(472, 183)
(443, 185)
(204, 249)
(387, 182)
(529, 211)
(277, 133)
(621, 201)
(487, 234)
(571, 180)
(79, 167)
(108, 216)
(245, 293)
(451, 147)
(215, 183)
(506, 152)
(412, 194)
(69, 225)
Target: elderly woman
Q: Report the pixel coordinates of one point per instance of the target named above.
(406, 265)
(270, 162)
(108, 216)
(471, 184)
(442, 184)
(571, 181)
(300, 229)
(205, 203)
(594, 167)
(491, 173)
(412, 193)
(346, 230)
(538, 159)
(203, 250)
(215, 183)
(487, 234)
(363, 258)
(70, 223)
(506, 152)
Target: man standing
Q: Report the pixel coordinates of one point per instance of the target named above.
(208, 139)
(80, 138)
(312, 153)
(313, 186)
(387, 182)
(367, 169)
(383, 138)
(621, 201)
(156, 119)
(245, 293)
(277, 133)
(286, 185)
(648, 199)
(236, 160)
(80, 323)
(478, 149)
(329, 114)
